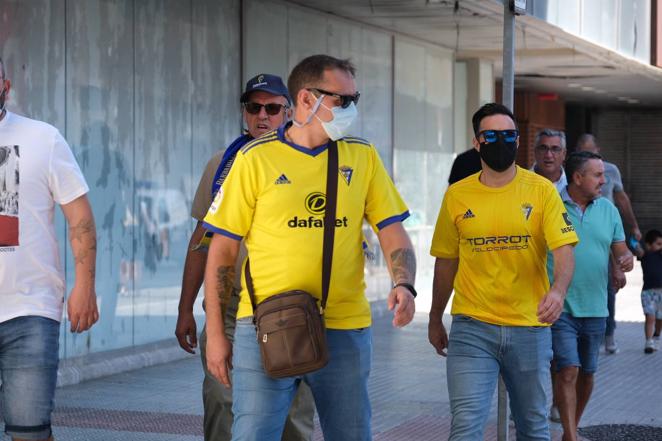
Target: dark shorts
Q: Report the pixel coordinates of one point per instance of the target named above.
(576, 341)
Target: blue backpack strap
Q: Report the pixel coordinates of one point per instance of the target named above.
(226, 162)
(220, 175)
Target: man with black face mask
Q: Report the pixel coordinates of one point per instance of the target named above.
(490, 244)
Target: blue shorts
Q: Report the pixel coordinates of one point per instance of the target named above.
(576, 341)
(28, 368)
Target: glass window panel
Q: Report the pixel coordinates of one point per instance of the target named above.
(438, 101)
(409, 95)
(377, 93)
(163, 136)
(265, 47)
(100, 131)
(307, 35)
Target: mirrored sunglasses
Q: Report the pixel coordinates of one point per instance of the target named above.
(493, 135)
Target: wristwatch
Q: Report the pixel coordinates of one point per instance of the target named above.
(409, 286)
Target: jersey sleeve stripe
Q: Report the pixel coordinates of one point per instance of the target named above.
(352, 140)
(221, 231)
(257, 142)
(562, 241)
(393, 219)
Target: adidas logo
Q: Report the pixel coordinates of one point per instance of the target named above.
(282, 179)
(468, 214)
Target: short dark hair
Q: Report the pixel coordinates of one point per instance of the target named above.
(310, 72)
(652, 235)
(490, 109)
(577, 161)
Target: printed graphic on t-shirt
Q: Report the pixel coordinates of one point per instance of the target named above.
(9, 184)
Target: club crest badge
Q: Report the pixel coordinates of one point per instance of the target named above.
(526, 210)
(346, 172)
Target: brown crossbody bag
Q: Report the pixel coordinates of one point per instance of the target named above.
(290, 325)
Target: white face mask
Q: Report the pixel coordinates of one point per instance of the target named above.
(342, 119)
(337, 127)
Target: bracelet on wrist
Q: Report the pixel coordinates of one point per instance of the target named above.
(409, 286)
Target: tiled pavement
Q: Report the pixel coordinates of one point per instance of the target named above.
(407, 386)
(408, 390)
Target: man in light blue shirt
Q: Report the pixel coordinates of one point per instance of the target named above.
(614, 191)
(578, 333)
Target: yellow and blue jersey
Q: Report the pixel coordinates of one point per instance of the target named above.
(501, 236)
(274, 198)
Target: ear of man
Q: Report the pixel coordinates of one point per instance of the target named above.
(304, 99)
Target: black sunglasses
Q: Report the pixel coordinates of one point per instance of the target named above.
(271, 108)
(345, 100)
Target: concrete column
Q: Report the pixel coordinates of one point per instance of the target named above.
(480, 90)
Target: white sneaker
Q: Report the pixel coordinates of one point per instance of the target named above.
(650, 347)
(610, 345)
(554, 414)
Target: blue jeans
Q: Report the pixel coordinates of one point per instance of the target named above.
(28, 369)
(576, 342)
(340, 389)
(477, 353)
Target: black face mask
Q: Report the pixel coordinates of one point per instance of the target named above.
(498, 155)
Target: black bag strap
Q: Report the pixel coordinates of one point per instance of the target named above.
(329, 230)
(329, 220)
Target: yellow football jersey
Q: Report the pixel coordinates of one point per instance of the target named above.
(501, 236)
(274, 197)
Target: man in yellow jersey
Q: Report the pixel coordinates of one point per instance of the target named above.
(491, 241)
(266, 105)
(273, 199)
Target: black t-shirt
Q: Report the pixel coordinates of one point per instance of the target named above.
(465, 164)
(651, 264)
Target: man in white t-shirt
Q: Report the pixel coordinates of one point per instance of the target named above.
(37, 171)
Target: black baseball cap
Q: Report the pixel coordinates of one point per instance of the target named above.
(272, 84)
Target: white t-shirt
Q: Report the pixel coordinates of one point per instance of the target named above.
(37, 171)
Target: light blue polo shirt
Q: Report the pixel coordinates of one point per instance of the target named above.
(597, 228)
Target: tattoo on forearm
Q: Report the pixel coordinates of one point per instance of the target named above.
(403, 265)
(224, 283)
(84, 228)
(84, 244)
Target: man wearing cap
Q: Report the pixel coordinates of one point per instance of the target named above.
(266, 106)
